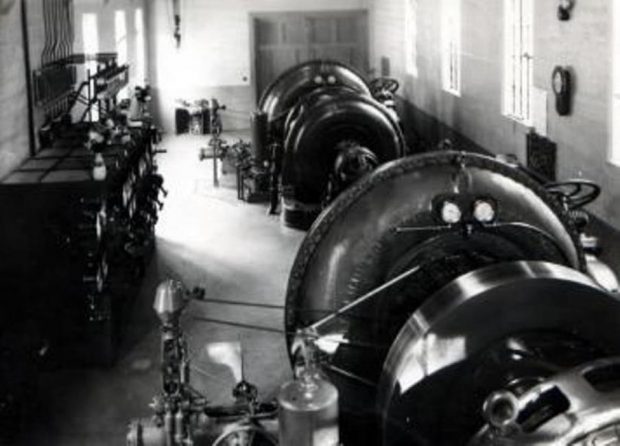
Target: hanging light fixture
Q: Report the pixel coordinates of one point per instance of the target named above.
(564, 9)
(176, 11)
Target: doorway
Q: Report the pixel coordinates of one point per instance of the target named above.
(284, 39)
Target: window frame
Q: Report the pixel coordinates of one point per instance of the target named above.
(411, 37)
(121, 41)
(613, 153)
(90, 33)
(518, 83)
(91, 47)
(140, 42)
(451, 45)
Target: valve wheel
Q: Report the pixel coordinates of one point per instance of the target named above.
(575, 194)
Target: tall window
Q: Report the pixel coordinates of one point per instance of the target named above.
(614, 152)
(140, 68)
(411, 37)
(518, 64)
(451, 45)
(90, 40)
(90, 36)
(120, 33)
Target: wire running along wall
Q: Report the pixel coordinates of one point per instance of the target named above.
(54, 81)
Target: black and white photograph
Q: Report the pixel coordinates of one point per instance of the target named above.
(310, 222)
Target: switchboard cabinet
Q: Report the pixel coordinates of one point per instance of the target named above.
(74, 249)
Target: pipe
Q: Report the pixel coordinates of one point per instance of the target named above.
(27, 69)
(57, 25)
(46, 24)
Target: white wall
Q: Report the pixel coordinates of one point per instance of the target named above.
(477, 114)
(584, 43)
(13, 106)
(14, 144)
(214, 58)
(105, 11)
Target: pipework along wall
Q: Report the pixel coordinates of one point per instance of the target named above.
(214, 57)
(583, 43)
(14, 132)
(14, 146)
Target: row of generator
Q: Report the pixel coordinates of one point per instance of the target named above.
(438, 299)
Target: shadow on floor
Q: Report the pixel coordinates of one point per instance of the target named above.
(205, 238)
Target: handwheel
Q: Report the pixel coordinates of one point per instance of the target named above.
(384, 227)
(575, 194)
(382, 84)
(537, 323)
(246, 435)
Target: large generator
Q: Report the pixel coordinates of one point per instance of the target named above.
(323, 126)
(444, 299)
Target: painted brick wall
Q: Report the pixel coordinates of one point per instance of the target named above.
(13, 122)
(214, 59)
(583, 43)
(14, 138)
(14, 145)
(583, 138)
(36, 36)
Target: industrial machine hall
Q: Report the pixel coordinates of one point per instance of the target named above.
(310, 222)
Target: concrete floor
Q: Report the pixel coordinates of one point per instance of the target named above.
(206, 238)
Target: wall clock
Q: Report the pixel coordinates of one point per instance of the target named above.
(562, 87)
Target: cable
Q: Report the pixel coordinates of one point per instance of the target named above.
(357, 344)
(240, 325)
(351, 376)
(280, 307)
(366, 297)
(240, 303)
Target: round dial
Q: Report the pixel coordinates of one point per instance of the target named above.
(558, 81)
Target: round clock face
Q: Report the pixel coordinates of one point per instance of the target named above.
(557, 82)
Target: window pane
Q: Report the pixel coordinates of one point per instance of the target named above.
(140, 69)
(411, 31)
(518, 69)
(614, 151)
(451, 45)
(120, 29)
(90, 36)
(90, 33)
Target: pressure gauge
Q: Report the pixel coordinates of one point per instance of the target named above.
(484, 211)
(450, 212)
